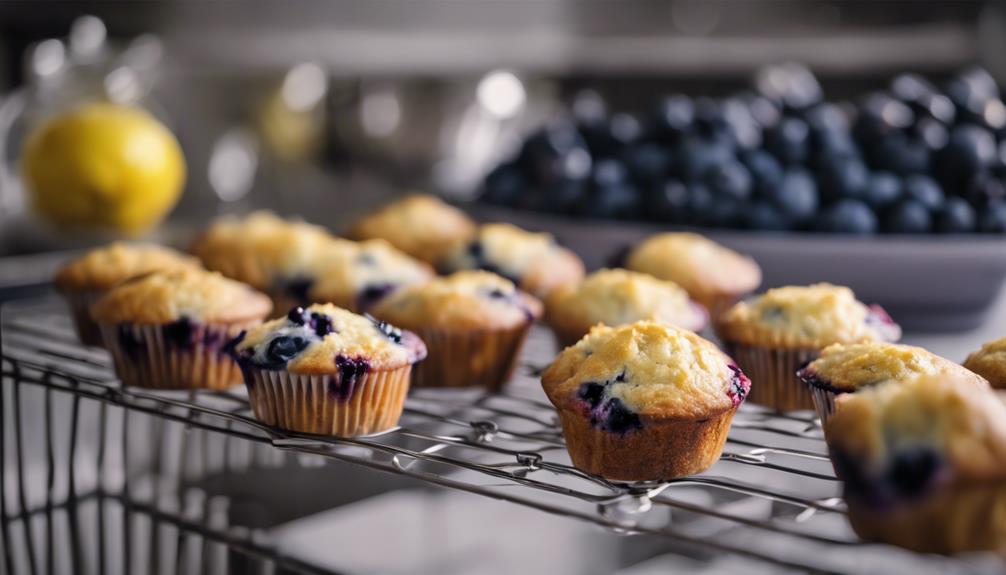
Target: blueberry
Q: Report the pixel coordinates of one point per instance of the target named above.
(848, 216)
(902, 155)
(730, 179)
(993, 218)
(790, 141)
(912, 472)
(827, 117)
(284, 348)
(724, 212)
(618, 418)
(321, 324)
(931, 133)
(742, 126)
(761, 215)
(908, 217)
(764, 168)
(389, 331)
(910, 88)
(543, 153)
(983, 189)
(843, 178)
(179, 333)
(956, 217)
(700, 203)
(648, 163)
(880, 115)
(589, 108)
(609, 172)
(970, 149)
(924, 190)
(296, 316)
(504, 184)
(564, 196)
(696, 155)
(883, 189)
(624, 129)
(796, 196)
(351, 370)
(613, 201)
(833, 145)
(668, 201)
(970, 91)
(592, 393)
(674, 116)
(710, 120)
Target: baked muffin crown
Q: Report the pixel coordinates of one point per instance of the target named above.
(533, 261)
(652, 370)
(104, 267)
(899, 440)
(464, 300)
(806, 316)
(420, 225)
(264, 250)
(617, 297)
(990, 362)
(360, 274)
(848, 367)
(195, 294)
(323, 339)
(696, 263)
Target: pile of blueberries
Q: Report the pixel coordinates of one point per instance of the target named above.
(910, 160)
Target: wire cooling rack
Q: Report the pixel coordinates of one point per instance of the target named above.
(78, 447)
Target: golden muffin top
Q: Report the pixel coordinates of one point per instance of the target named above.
(466, 300)
(617, 297)
(990, 362)
(646, 370)
(195, 294)
(701, 266)
(534, 261)
(324, 339)
(907, 436)
(264, 250)
(104, 267)
(362, 273)
(806, 316)
(420, 225)
(848, 367)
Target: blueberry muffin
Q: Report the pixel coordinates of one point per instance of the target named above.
(420, 225)
(328, 371)
(277, 256)
(644, 401)
(617, 297)
(777, 333)
(535, 262)
(713, 275)
(84, 280)
(169, 330)
(990, 363)
(846, 368)
(361, 275)
(473, 323)
(924, 463)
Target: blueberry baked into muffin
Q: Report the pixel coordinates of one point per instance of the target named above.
(362, 273)
(990, 362)
(84, 280)
(775, 334)
(420, 225)
(473, 323)
(847, 368)
(533, 261)
(617, 297)
(277, 256)
(644, 401)
(328, 371)
(713, 275)
(924, 463)
(169, 330)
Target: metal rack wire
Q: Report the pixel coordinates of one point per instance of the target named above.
(77, 446)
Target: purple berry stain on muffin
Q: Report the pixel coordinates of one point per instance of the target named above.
(129, 343)
(910, 473)
(351, 371)
(389, 331)
(740, 385)
(180, 333)
(605, 412)
(372, 294)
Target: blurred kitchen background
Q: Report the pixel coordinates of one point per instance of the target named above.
(326, 109)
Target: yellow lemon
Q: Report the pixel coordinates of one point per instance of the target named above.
(103, 166)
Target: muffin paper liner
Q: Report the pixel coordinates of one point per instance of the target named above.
(824, 400)
(659, 450)
(143, 358)
(958, 518)
(80, 310)
(329, 404)
(470, 358)
(774, 382)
